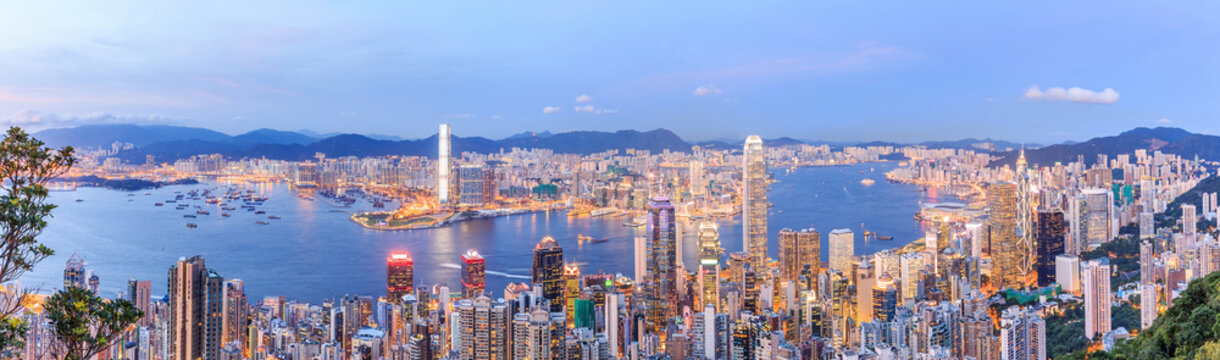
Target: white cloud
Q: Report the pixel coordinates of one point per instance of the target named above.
(551, 109)
(1075, 94)
(34, 118)
(496, 117)
(1163, 121)
(583, 98)
(706, 90)
(583, 108)
(592, 110)
(457, 116)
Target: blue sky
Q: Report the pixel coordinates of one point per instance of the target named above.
(831, 70)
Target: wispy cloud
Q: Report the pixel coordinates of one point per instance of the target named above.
(1163, 121)
(584, 98)
(706, 90)
(37, 119)
(593, 110)
(457, 116)
(1075, 94)
(551, 109)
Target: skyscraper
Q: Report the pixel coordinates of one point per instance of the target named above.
(798, 249)
(571, 291)
(698, 186)
(483, 326)
(1096, 217)
(473, 274)
(1022, 335)
(1095, 276)
(139, 293)
(1190, 225)
(400, 276)
(442, 166)
(233, 312)
(74, 272)
(1148, 305)
(1051, 231)
(548, 271)
(709, 263)
(661, 283)
(194, 307)
(470, 185)
(1006, 250)
(842, 249)
(754, 200)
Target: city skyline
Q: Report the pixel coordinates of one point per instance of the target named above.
(852, 72)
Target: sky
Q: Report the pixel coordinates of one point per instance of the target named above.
(1038, 71)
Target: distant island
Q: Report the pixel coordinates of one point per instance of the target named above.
(126, 184)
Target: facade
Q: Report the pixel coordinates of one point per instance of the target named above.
(661, 277)
(194, 310)
(754, 200)
(548, 271)
(709, 264)
(470, 185)
(1051, 239)
(474, 280)
(400, 276)
(798, 249)
(842, 248)
(483, 329)
(1067, 273)
(1022, 335)
(442, 166)
(1007, 252)
(1095, 279)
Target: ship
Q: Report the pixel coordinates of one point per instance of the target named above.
(260, 222)
(159, 204)
(598, 241)
(260, 212)
(225, 214)
(201, 212)
(867, 182)
(583, 237)
(189, 216)
(637, 222)
(885, 237)
(273, 217)
(191, 225)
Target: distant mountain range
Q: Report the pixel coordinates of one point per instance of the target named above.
(1166, 139)
(169, 143)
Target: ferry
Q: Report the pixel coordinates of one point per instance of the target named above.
(260, 212)
(191, 225)
(260, 222)
(885, 237)
(273, 217)
(225, 214)
(189, 216)
(598, 241)
(201, 212)
(583, 237)
(79, 200)
(867, 182)
(159, 204)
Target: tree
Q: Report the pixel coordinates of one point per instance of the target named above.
(25, 168)
(85, 324)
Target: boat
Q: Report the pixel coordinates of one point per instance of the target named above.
(260, 222)
(260, 212)
(867, 182)
(598, 241)
(159, 204)
(885, 237)
(189, 216)
(79, 200)
(191, 225)
(583, 237)
(273, 217)
(201, 212)
(225, 214)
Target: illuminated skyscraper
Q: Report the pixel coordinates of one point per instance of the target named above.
(571, 291)
(798, 249)
(1148, 305)
(709, 263)
(1095, 276)
(442, 166)
(698, 186)
(548, 271)
(885, 298)
(400, 276)
(194, 308)
(1051, 239)
(1190, 221)
(483, 329)
(1025, 218)
(234, 312)
(661, 275)
(1006, 250)
(754, 200)
(74, 272)
(474, 269)
(470, 185)
(842, 248)
(1096, 217)
(1022, 335)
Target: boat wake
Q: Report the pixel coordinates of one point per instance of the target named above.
(489, 272)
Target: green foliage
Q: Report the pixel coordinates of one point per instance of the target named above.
(1067, 330)
(85, 324)
(1190, 329)
(26, 165)
(1126, 316)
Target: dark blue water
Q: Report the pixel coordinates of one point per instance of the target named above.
(315, 252)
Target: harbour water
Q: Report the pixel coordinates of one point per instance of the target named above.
(314, 252)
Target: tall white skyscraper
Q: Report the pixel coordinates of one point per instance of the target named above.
(842, 248)
(1095, 276)
(1190, 222)
(754, 200)
(442, 166)
(1067, 272)
(1148, 305)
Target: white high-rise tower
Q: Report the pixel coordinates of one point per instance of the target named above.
(754, 201)
(442, 166)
